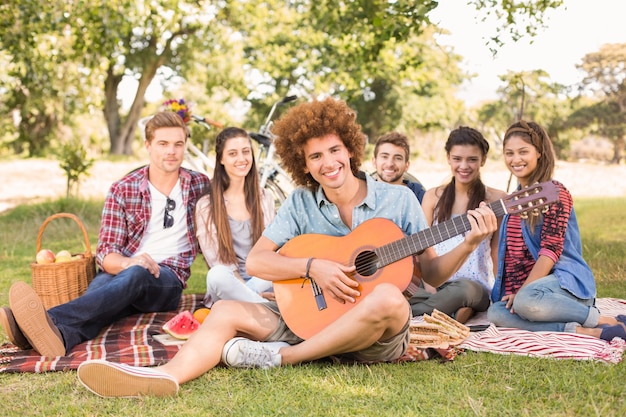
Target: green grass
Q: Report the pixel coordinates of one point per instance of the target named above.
(479, 384)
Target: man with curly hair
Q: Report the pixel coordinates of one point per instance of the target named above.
(321, 145)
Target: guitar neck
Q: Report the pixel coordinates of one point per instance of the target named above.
(417, 242)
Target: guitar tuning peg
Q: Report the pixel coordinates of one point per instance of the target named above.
(544, 209)
(536, 212)
(524, 215)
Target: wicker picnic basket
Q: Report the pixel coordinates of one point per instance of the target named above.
(58, 283)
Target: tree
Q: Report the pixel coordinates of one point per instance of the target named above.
(514, 19)
(136, 39)
(41, 78)
(606, 76)
(321, 47)
(529, 95)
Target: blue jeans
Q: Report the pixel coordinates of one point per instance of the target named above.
(110, 298)
(544, 306)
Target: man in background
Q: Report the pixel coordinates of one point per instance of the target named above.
(391, 161)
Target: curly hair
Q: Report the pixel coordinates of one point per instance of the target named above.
(314, 120)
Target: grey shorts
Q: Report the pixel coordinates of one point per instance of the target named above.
(380, 351)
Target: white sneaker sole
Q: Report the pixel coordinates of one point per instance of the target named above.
(108, 379)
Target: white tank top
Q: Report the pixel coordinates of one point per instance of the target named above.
(478, 266)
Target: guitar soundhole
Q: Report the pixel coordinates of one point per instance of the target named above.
(366, 263)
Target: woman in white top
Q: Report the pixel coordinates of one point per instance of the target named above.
(231, 218)
(468, 289)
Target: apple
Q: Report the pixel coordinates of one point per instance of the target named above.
(63, 256)
(45, 256)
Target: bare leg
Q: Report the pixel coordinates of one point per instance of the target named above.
(608, 327)
(379, 316)
(228, 319)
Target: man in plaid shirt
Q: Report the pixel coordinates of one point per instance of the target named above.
(146, 246)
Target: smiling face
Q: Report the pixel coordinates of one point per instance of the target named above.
(328, 161)
(167, 148)
(237, 157)
(465, 162)
(520, 158)
(391, 163)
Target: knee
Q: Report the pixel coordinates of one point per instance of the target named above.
(217, 276)
(224, 308)
(135, 275)
(386, 300)
(467, 287)
(527, 303)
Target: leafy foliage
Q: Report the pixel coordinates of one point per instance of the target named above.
(606, 75)
(381, 56)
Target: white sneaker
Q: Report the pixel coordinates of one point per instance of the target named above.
(244, 353)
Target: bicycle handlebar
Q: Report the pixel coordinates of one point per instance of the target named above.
(287, 99)
(261, 139)
(204, 120)
(265, 128)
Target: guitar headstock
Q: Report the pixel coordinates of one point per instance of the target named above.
(534, 199)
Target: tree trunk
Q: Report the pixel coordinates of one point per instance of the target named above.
(122, 135)
(112, 111)
(618, 150)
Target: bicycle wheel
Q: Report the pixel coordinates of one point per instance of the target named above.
(277, 192)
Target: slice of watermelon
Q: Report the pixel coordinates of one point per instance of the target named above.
(182, 325)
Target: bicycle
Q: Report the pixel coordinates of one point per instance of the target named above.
(273, 176)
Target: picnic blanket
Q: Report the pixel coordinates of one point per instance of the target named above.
(129, 341)
(132, 341)
(549, 344)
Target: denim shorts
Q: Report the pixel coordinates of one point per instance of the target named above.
(380, 351)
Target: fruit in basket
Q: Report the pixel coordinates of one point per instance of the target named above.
(63, 256)
(45, 256)
(182, 325)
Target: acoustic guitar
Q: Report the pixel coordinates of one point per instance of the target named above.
(382, 254)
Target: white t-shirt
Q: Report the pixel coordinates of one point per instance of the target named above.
(161, 243)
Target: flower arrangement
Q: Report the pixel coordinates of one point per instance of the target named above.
(179, 107)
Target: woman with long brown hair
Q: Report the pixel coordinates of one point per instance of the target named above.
(466, 291)
(543, 283)
(231, 218)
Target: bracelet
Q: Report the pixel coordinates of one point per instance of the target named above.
(308, 268)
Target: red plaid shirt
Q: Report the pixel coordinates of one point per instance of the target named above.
(127, 211)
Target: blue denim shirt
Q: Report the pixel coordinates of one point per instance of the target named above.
(307, 211)
(571, 270)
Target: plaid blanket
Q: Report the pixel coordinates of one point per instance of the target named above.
(131, 341)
